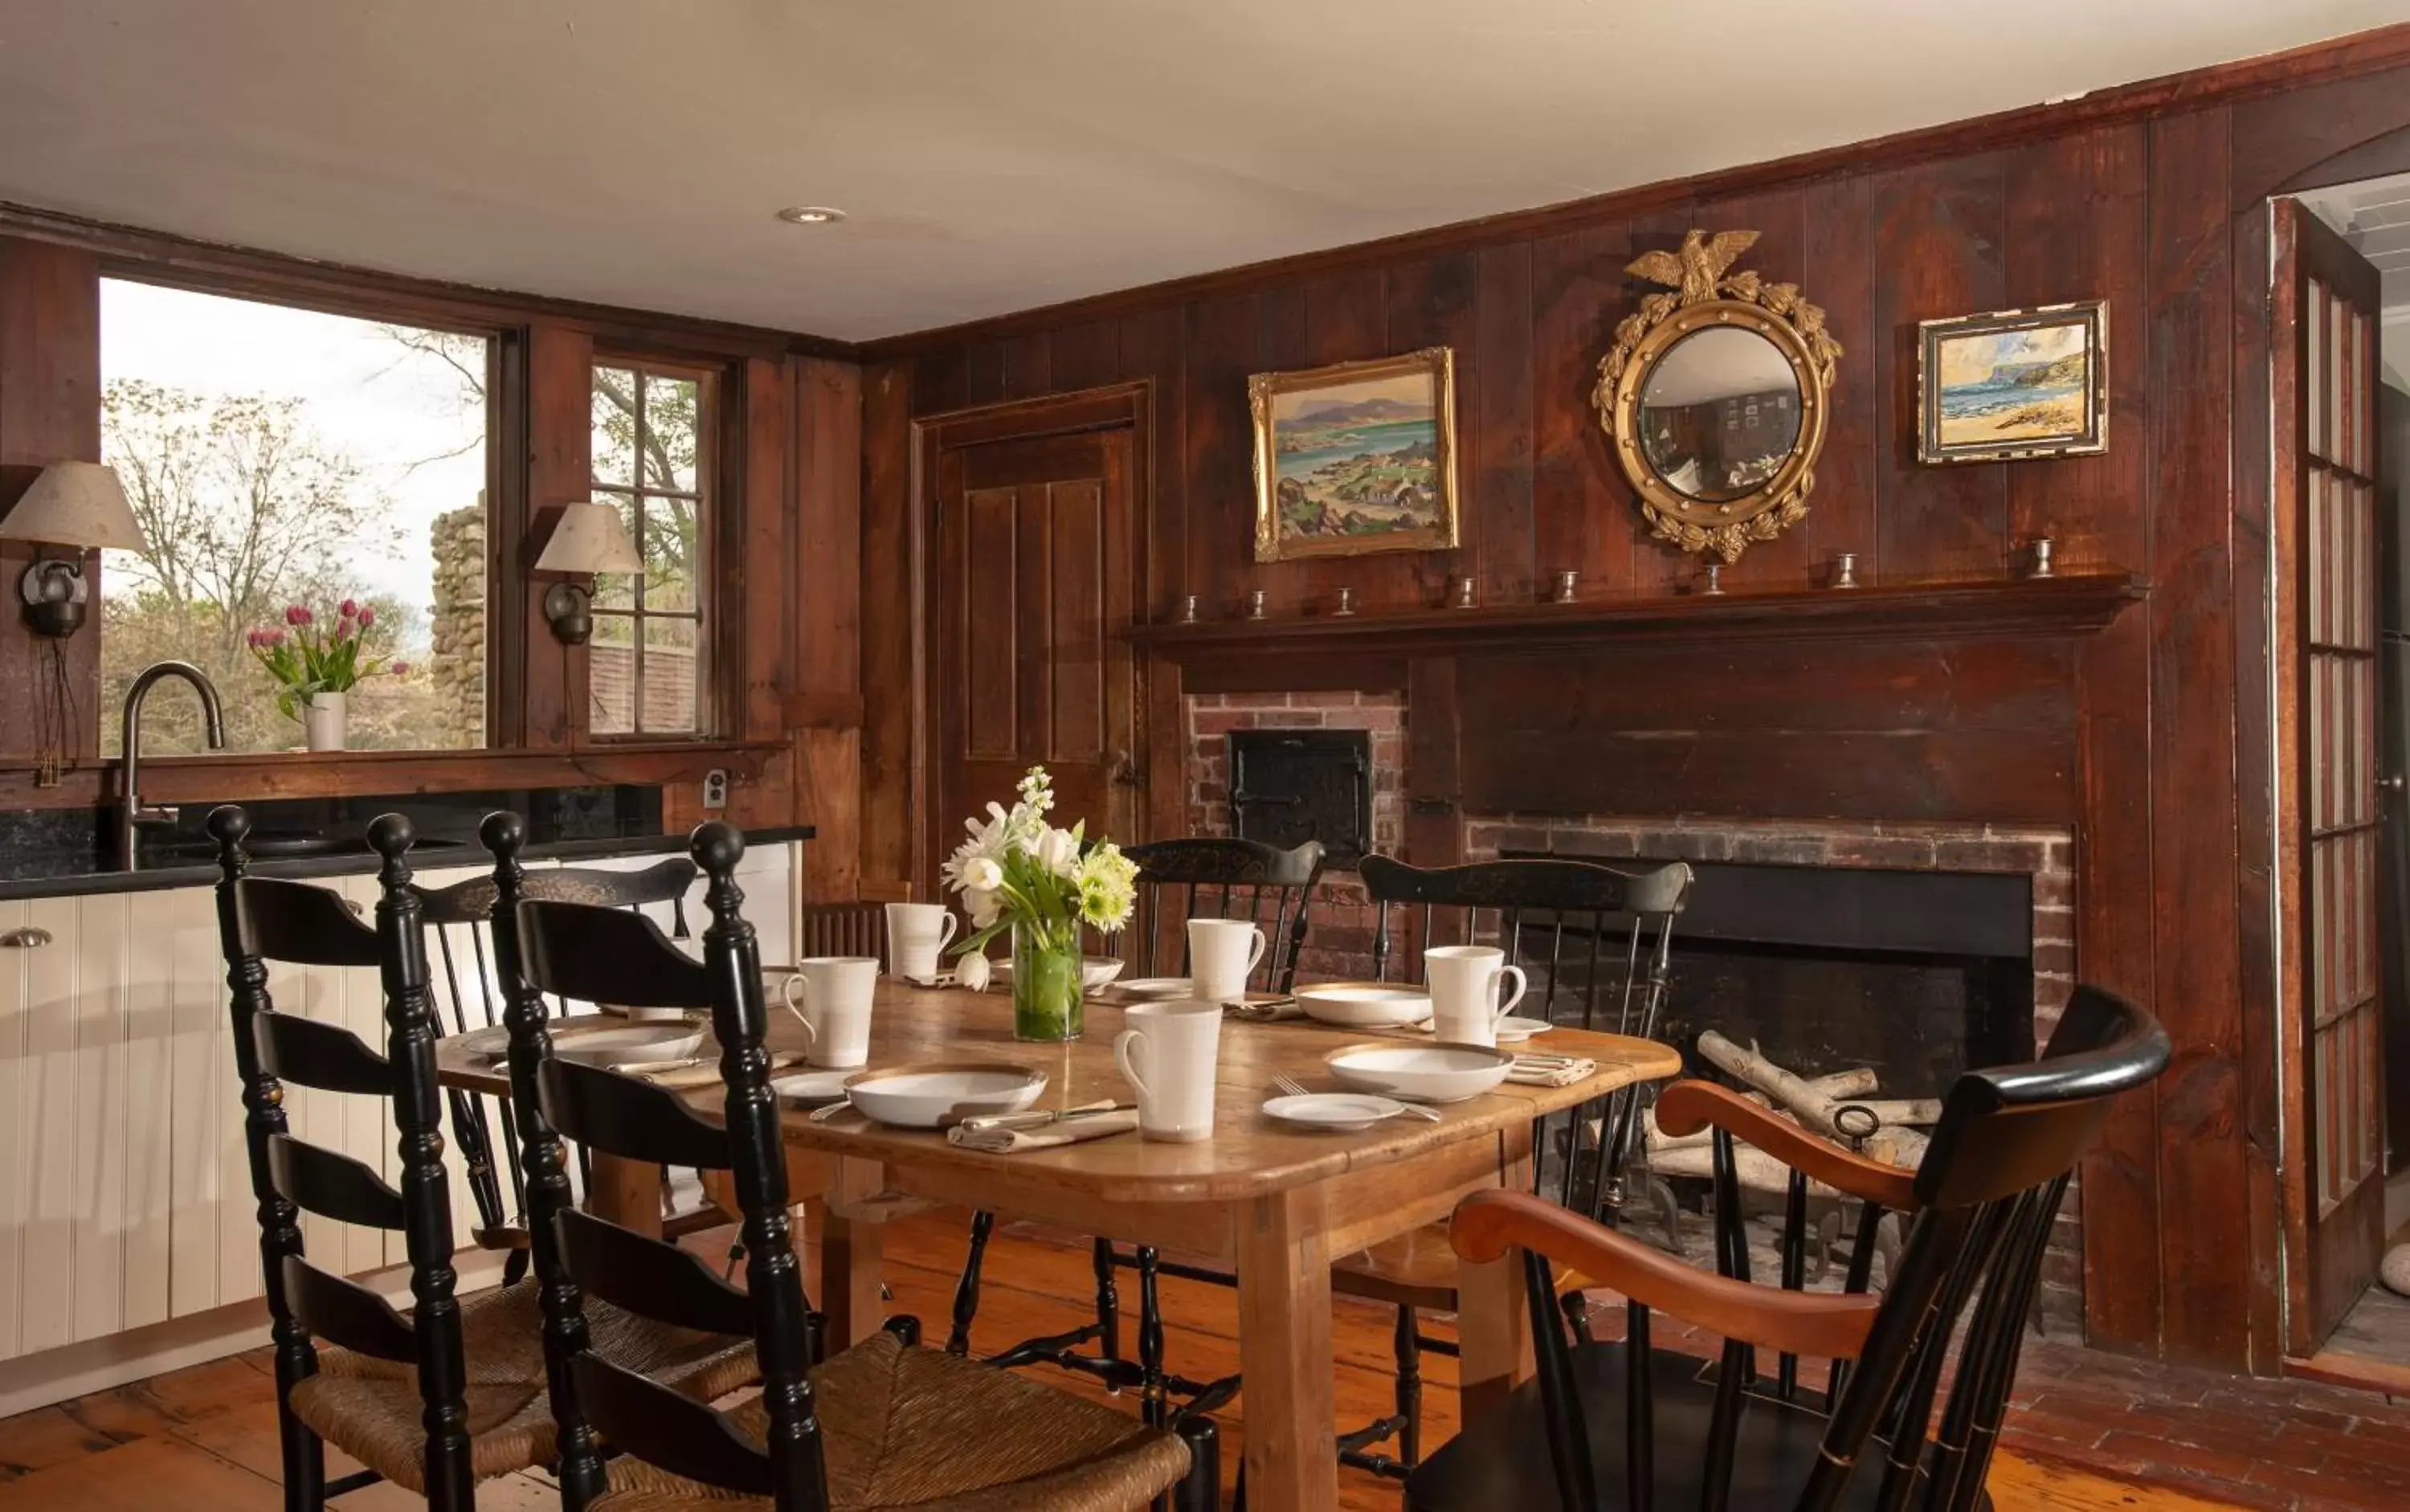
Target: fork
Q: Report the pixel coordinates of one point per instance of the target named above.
(1290, 1085)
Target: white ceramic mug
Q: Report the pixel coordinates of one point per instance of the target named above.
(1168, 1052)
(1468, 991)
(834, 1007)
(917, 937)
(1222, 955)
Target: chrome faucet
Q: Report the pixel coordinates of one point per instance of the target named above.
(133, 813)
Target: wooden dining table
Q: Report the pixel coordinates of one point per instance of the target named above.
(1273, 1202)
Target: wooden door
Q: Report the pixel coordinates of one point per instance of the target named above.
(2327, 300)
(1036, 576)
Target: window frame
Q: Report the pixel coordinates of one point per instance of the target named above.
(506, 636)
(714, 464)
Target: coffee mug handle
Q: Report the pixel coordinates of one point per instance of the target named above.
(1256, 958)
(786, 994)
(1124, 1044)
(946, 935)
(1508, 1005)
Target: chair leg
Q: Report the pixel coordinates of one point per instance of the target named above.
(1153, 1396)
(958, 1341)
(1200, 1490)
(514, 1266)
(303, 1453)
(1410, 1389)
(1109, 1303)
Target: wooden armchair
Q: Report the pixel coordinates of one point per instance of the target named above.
(1983, 1202)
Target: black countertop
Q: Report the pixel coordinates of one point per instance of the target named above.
(66, 853)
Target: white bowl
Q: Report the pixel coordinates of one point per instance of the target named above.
(1365, 1005)
(629, 1043)
(934, 1095)
(1421, 1073)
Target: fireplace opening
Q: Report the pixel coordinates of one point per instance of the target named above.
(1920, 974)
(1290, 786)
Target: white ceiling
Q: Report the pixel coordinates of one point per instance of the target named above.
(995, 154)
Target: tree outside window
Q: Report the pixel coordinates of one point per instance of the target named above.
(648, 667)
(278, 456)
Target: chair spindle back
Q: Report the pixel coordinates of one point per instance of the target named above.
(1214, 878)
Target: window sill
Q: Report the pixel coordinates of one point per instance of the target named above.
(256, 774)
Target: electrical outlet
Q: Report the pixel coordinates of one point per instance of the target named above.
(714, 789)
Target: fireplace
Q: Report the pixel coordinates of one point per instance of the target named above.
(1918, 975)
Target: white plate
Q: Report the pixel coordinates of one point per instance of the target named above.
(1157, 986)
(1511, 1031)
(1334, 1109)
(1364, 1005)
(628, 1042)
(1421, 1073)
(1095, 970)
(933, 1096)
(495, 1038)
(813, 1087)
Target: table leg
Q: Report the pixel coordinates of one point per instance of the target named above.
(1284, 1355)
(853, 1252)
(626, 1192)
(1492, 1322)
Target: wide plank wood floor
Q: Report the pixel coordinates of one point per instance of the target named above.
(205, 1437)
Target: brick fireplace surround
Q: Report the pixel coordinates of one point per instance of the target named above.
(1340, 941)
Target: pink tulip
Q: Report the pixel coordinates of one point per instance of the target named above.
(296, 615)
(401, 669)
(349, 609)
(368, 616)
(273, 637)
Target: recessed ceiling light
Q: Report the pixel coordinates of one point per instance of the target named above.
(811, 215)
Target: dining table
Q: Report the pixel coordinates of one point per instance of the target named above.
(1274, 1202)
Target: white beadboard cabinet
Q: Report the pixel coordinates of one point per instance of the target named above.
(124, 1196)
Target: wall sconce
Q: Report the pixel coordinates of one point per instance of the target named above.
(75, 506)
(590, 538)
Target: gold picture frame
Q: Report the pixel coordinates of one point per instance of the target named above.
(1355, 457)
(2013, 385)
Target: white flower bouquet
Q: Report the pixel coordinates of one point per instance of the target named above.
(1017, 872)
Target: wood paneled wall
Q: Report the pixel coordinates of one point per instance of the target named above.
(2150, 738)
(50, 412)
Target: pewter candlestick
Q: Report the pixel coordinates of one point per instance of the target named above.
(1188, 610)
(1845, 570)
(1346, 603)
(1255, 604)
(1715, 587)
(2044, 550)
(1566, 582)
(1467, 593)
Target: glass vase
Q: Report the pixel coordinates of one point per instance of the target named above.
(1046, 1000)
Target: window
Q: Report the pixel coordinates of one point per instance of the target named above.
(648, 663)
(277, 458)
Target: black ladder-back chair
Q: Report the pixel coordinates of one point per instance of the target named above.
(1655, 1426)
(1214, 878)
(1181, 880)
(777, 1449)
(262, 920)
(460, 918)
(1587, 935)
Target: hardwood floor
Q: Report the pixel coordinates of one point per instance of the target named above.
(205, 1438)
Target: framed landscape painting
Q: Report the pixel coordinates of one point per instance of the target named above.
(1355, 457)
(2017, 383)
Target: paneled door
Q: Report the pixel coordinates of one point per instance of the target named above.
(2327, 309)
(1035, 581)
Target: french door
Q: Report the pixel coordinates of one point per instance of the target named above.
(2327, 308)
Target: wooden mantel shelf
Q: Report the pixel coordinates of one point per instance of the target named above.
(2076, 604)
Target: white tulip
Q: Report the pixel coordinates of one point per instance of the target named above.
(971, 971)
(980, 874)
(1059, 852)
(982, 904)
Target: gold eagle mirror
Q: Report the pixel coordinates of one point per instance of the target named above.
(1714, 396)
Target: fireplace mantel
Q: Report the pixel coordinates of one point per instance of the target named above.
(2075, 604)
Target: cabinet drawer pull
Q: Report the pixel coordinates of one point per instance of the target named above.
(24, 939)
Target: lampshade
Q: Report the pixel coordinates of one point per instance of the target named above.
(75, 504)
(590, 538)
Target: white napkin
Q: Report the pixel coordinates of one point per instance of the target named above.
(1551, 1070)
(1012, 1133)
